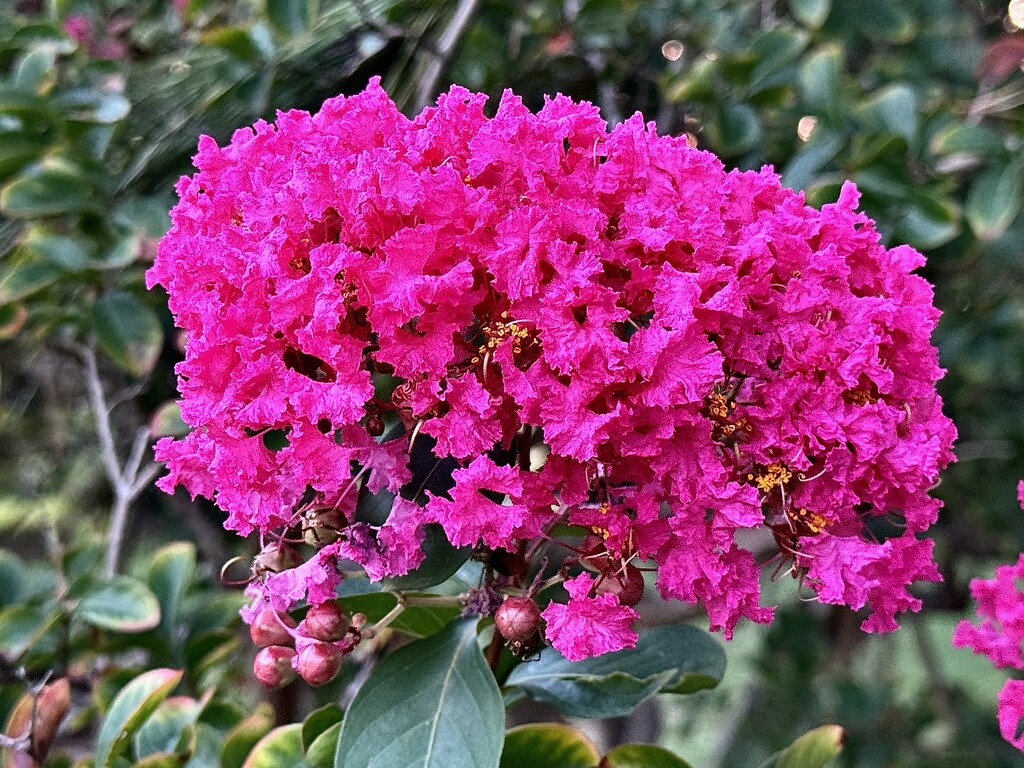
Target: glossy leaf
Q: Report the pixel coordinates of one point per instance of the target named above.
(810, 13)
(122, 604)
(23, 626)
(736, 129)
(819, 80)
(162, 731)
(241, 739)
(679, 659)
(814, 749)
(128, 331)
(892, 109)
(548, 745)
(320, 753)
(130, 709)
(967, 138)
(49, 190)
(318, 721)
(432, 703)
(280, 748)
(642, 756)
(170, 572)
(994, 200)
(23, 279)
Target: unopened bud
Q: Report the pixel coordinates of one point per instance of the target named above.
(266, 629)
(517, 619)
(375, 425)
(326, 621)
(628, 586)
(358, 620)
(273, 666)
(318, 662)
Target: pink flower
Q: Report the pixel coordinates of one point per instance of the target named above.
(586, 625)
(1000, 634)
(699, 351)
(1011, 712)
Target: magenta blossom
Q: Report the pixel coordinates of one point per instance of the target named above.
(615, 342)
(1000, 636)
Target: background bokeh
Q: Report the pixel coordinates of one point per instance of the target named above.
(920, 102)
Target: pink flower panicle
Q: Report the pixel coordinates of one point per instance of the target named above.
(1000, 636)
(701, 352)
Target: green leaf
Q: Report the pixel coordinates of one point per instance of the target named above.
(679, 659)
(433, 703)
(736, 129)
(49, 189)
(122, 604)
(64, 251)
(440, 564)
(34, 72)
(810, 13)
(170, 573)
(994, 200)
(162, 731)
(130, 709)
(548, 745)
(819, 81)
(775, 49)
(819, 150)
(17, 151)
(281, 748)
(927, 223)
(27, 277)
(812, 750)
(966, 138)
(23, 626)
(892, 109)
(243, 737)
(85, 105)
(321, 752)
(318, 721)
(128, 331)
(166, 421)
(290, 16)
(642, 756)
(886, 21)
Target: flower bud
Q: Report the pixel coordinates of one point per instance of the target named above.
(627, 586)
(375, 425)
(266, 629)
(318, 663)
(273, 666)
(517, 619)
(326, 621)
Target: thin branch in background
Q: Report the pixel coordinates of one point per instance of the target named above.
(446, 46)
(127, 480)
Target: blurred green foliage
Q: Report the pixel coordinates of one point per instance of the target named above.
(919, 102)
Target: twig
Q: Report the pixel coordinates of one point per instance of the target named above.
(446, 45)
(128, 479)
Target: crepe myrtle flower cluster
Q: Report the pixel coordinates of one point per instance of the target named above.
(611, 351)
(1000, 636)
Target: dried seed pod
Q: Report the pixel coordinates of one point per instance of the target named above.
(518, 619)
